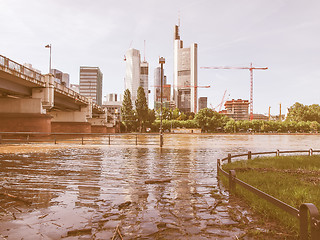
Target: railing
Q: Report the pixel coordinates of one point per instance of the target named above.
(79, 138)
(21, 71)
(70, 93)
(306, 209)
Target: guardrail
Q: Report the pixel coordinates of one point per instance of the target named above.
(308, 214)
(21, 71)
(79, 138)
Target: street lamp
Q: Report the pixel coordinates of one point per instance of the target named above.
(49, 46)
(161, 61)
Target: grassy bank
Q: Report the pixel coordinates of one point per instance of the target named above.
(292, 179)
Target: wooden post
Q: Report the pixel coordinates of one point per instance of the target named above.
(136, 139)
(278, 153)
(109, 139)
(82, 140)
(310, 152)
(229, 157)
(232, 183)
(249, 155)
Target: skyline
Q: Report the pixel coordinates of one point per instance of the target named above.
(282, 35)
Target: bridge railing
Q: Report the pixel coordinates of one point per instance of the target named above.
(307, 214)
(69, 92)
(19, 70)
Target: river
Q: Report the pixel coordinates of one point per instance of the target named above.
(85, 192)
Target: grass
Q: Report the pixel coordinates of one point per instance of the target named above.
(292, 179)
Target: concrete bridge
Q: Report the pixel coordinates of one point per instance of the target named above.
(32, 102)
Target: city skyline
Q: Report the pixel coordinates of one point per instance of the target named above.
(282, 35)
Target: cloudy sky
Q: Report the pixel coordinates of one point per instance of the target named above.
(283, 35)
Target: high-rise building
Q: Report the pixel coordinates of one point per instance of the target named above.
(166, 90)
(61, 77)
(91, 83)
(202, 102)
(136, 74)
(185, 74)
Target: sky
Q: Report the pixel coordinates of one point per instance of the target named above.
(283, 35)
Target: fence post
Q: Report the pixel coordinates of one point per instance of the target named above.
(109, 139)
(82, 140)
(249, 155)
(136, 139)
(229, 157)
(0, 139)
(278, 153)
(218, 166)
(28, 138)
(310, 152)
(232, 183)
(314, 221)
(55, 140)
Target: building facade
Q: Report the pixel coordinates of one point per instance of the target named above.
(91, 83)
(112, 105)
(203, 103)
(185, 74)
(61, 77)
(237, 109)
(137, 73)
(166, 91)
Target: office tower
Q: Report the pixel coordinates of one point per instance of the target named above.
(166, 91)
(185, 75)
(60, 77)
(136, 74)
(202, 102)
(144, 73)
(91, 83)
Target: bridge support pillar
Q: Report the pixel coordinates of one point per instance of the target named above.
(98, 123)
(23, 115)
(71, 122)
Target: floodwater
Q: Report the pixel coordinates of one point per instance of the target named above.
(84, 192)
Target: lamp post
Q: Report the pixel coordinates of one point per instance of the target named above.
(49, 46)
(161, 61)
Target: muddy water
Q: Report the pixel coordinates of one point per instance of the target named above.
(85, 192)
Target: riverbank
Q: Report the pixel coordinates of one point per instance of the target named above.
(292, 179)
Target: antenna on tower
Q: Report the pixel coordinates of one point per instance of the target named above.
(144, 51)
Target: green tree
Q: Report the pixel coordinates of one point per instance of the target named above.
(141, 108)
(207, 119)
(151, 118)
(127, 113)
(175, 113)
(299, 112)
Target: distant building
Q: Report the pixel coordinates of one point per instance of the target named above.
(112, 105)
(75, 87)
(202, 103)
(185, 74)
(137, 73)
(91, 83)
(260, 117)
(237, 109)
(61, 77)
(166, 91)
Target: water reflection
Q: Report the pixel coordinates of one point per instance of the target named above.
(100, 187)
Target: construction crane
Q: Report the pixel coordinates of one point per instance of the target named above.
(251, 68)
(184, 86)
(222, 101)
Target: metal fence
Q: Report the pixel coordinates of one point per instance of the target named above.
(308, 214)
(80, 138)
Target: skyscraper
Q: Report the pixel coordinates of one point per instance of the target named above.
(136, 74)
(185, 74)
(91, 83)
(166, 92)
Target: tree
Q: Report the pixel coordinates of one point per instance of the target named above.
(175, 113)
(299, 112)
(208, 119)
(151, 118)
(127, 113)
(141, 108)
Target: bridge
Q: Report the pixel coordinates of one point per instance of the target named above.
(33, 102)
